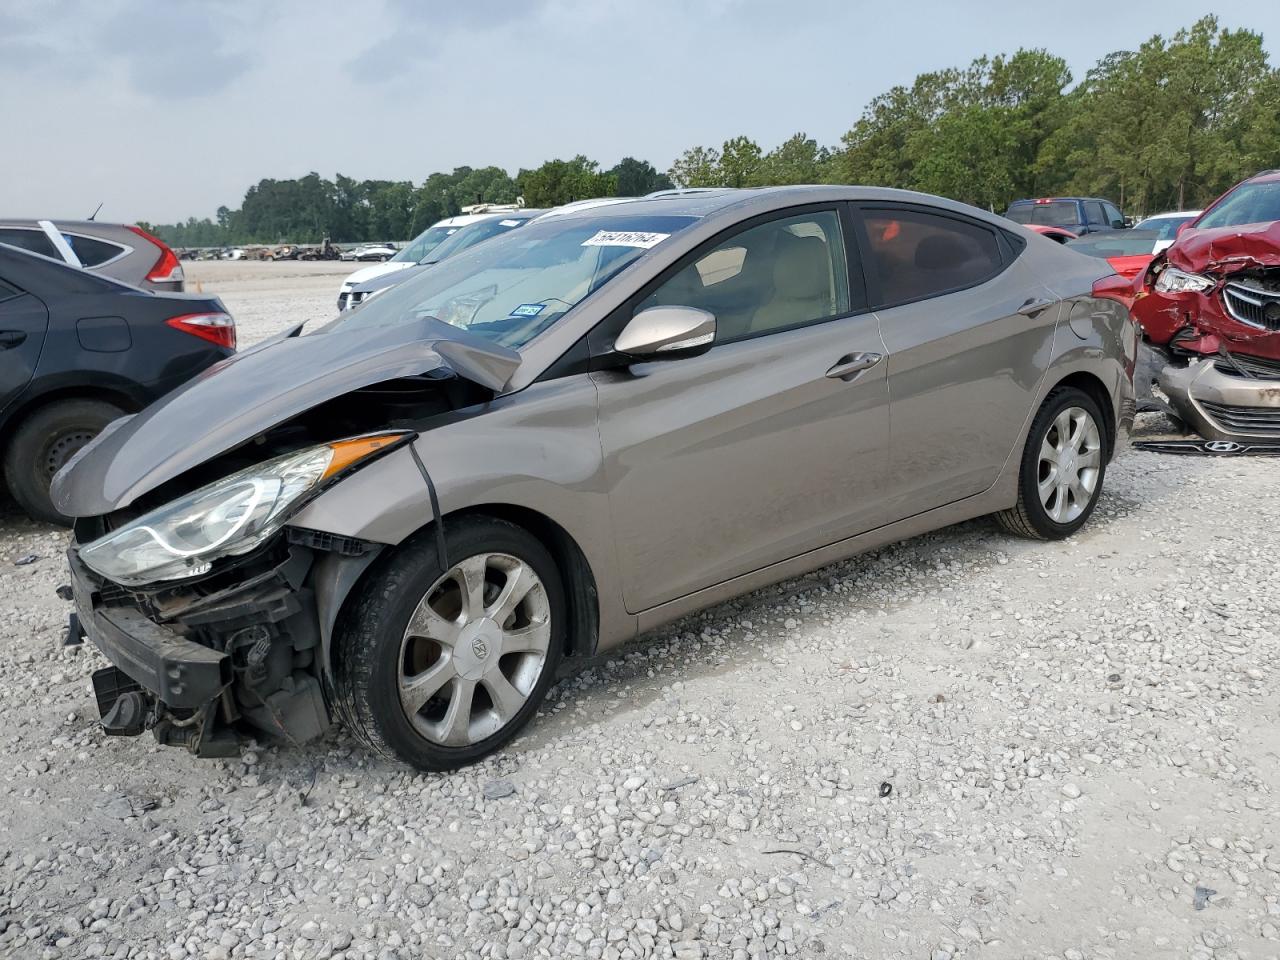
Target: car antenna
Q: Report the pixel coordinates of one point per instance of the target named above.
(95, 211)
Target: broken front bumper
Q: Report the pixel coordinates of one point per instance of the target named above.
(1221, 404)
(198, 663)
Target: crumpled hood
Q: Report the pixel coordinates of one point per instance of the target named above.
(1227, 249)
(247, 394)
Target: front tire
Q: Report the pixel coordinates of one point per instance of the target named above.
(439, 667)
(45, 440)
(1063, 467)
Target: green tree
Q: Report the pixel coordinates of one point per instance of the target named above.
(697, 167)
(739, 162)
(563, 181)
(798, 159)
(635, 178)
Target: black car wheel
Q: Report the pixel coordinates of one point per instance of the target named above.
(1063, 466)
(44, 441)
(440, 666)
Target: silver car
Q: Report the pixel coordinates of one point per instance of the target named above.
(415, 518)
(120, 251)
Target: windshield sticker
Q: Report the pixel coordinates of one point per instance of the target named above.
(625, 238)
(508, 223)
(528, 309)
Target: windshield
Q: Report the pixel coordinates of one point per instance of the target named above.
(472, 234)
(517, 286)
(1165, 228)
(1250, 203)
(1054, 213)
(1115, 243)
(423, 244)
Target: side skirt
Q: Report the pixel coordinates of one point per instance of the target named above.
(989, 501)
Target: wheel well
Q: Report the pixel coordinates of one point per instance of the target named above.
(1097, 390)
(106, 394)
(579, 581)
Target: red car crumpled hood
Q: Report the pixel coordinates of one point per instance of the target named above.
(1227, 249)
(1200, 318)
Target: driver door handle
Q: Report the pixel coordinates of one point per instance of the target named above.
(11, 338)
(849, 366)
(1035, 306)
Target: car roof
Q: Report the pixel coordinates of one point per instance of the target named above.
(738, 203)
(1057, 199)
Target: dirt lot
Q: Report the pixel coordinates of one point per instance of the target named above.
(965, 745)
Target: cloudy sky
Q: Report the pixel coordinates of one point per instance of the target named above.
(164, 109)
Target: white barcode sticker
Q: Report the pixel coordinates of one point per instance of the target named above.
(625, 238)
(508, 223)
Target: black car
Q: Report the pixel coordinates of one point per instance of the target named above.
(78, 350)
(1080, 215)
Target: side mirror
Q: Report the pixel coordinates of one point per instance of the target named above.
(1183, 228)
(667, 333)
(1124, 224)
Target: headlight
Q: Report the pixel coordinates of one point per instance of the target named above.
(225, 518)
(1172, 280)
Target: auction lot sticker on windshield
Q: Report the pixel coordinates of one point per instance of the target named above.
(625, 238)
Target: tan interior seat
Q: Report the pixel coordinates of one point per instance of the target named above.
(802, 284)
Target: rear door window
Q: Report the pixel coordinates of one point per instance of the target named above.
(91, 250)
(914, 254)
(1093, 211)
(32, 239)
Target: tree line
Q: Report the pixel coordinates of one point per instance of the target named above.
(1169, 125)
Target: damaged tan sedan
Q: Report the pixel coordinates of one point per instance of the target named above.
(414, 518)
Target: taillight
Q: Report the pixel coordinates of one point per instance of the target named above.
(217, 328)
(168, 269)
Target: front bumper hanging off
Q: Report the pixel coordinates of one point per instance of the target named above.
(201, 664)
(1222, 402)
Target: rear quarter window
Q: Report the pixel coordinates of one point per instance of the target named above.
(91, 250)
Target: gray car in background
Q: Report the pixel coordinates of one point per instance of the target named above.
(410, 518)
(120, 251)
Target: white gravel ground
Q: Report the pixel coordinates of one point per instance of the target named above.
(962, 746)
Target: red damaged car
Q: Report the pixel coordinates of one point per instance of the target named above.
(1210, 307)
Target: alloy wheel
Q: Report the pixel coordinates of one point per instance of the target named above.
(474, 649)
(1070, 462)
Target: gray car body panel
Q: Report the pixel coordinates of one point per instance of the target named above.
(605, 454)
(544, 450)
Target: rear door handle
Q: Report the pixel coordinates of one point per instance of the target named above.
(1034, 306)
(11, 338)
(848, 367)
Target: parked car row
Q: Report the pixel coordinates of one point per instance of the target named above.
(369, 527)
(1209, 305)
(1205, 287)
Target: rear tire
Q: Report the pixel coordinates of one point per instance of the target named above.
(438, 675)
(44, 441)
(1063, 467)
